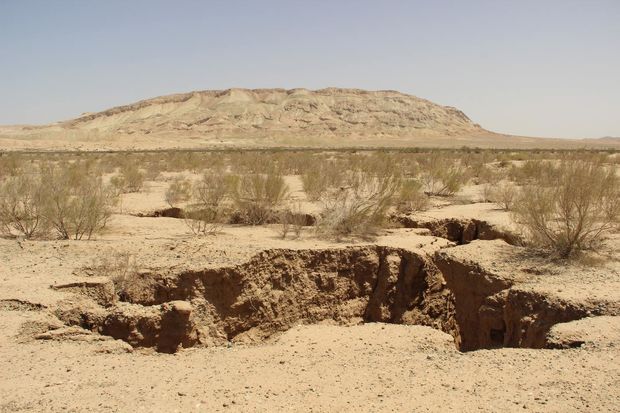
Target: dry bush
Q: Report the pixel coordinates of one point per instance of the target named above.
(206, 221)
(213, 189)
(572, 209)
(442, 176)
(295, 163)
(323, 175)
(250, 163)
(411, 199)
(378, 164)
(206, 213)
(129, 179)
(122, 269)
(489, 177)
(359, 207)
(75, 207)
(179, 190)
(22, 206)
(257, 196)
(533, 171)
(504, 195)
(476, 163)
(292, 220)
(10, 164)
(68, 198)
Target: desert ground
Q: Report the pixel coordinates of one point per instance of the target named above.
(443, 304)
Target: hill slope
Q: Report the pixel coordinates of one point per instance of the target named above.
(329, 117)
(297, 112)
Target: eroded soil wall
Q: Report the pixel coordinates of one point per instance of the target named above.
(278, 289)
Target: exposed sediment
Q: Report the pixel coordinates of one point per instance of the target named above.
(459, 230)
(276, 290)
(479, 305)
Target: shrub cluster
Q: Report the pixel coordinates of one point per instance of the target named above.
(66, 200)
(571, 208)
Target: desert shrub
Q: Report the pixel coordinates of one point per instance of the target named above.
(122, 269)
(66, 198)
(258, 195)
(253, 163)
(359, 206)
(317, 180)
(205, 213)
(378, 164)
(129, 179)
(203, 221)
(22, 206)
(10, 164)
(441, 176)
(533, 171)
(504, 195)
(570, 210)
(291, 220)
(475, 163)
(411, 199)
(75, 208)
(179, 190)
(213, 189)
(285, 223)
(296, 163)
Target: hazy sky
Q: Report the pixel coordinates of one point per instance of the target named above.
(530, 67)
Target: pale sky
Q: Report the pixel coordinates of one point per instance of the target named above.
(527, 67)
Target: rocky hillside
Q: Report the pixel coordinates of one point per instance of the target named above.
(330, 117)
(278, 112)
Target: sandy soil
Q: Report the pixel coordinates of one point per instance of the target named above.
(46, 366)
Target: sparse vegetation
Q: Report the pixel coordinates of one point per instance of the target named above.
(291, 220)
(76, 205)
(68, 200)
(22, 206)
(317, 179)
(442, 177)
(129, 179)
(358, 207)
(571, 209)
(257, 196)
(504, 195)
(121, 267)
(411, 199)
(180, 190)
(205, 213)
(65, 195)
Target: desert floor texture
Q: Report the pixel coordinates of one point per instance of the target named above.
(443, 314)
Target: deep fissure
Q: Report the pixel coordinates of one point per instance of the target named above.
(278, 289)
